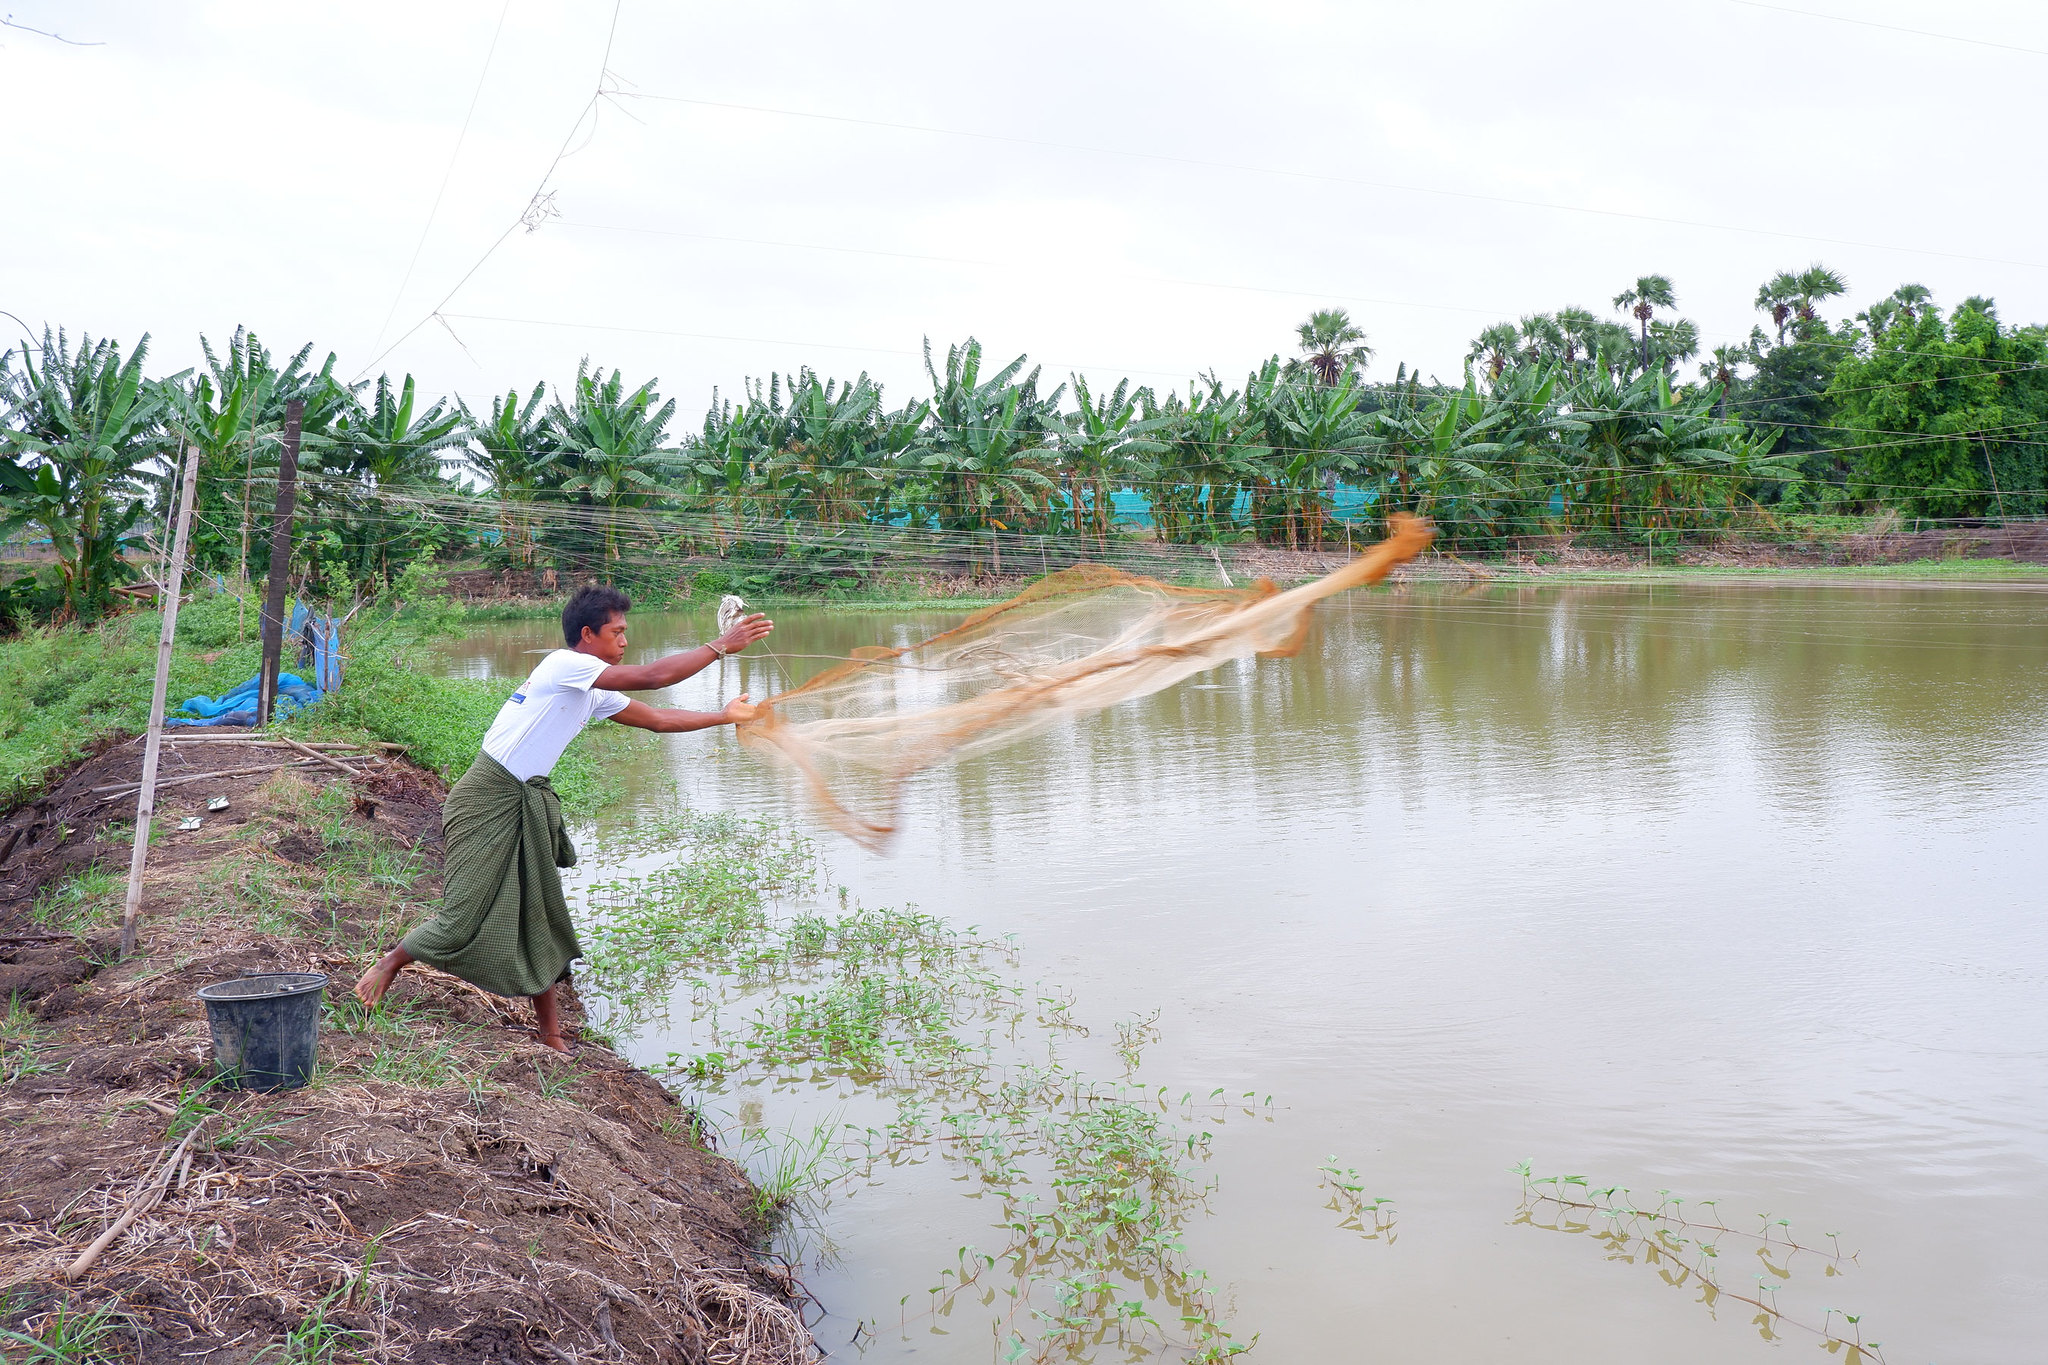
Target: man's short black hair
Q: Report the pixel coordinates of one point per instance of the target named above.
(594, 607)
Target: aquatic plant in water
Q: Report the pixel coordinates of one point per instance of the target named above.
(1688, 1251)
(1372, 1218)
(1094, 1179)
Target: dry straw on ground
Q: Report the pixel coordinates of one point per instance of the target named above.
(447, 1190)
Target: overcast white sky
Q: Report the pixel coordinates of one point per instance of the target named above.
(1227, 168)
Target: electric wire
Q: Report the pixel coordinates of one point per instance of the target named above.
(1893, 28)
(1335, 295)
(461, 135)
(1325, 177)
(589, 111)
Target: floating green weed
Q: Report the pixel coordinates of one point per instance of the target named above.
(1094, 1244)
(1370, 1216)
(707, 908)
(1689, 1251)
(1094, 1180)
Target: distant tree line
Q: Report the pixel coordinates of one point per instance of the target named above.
(1565, 423)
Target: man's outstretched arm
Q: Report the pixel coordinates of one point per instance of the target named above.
(688, 664)
(670, 720)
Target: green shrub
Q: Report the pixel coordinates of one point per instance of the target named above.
(63, 689)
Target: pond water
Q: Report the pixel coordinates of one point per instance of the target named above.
(1734, 891)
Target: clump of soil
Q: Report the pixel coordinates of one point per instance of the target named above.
(446, 1190)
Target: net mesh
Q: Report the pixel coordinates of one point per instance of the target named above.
(1076, 641)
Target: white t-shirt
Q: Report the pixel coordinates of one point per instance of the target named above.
(540, 719)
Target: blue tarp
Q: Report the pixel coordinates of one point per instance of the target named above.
(238, 706)
(1133, 508)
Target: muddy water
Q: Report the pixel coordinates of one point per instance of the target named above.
(1731, 891)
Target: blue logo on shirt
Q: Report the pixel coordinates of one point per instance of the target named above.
(519, 696)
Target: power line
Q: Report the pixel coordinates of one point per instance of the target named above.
(8, 22)
(1892, 28)
(538, 208)
(446, 174)
(1327, 294)
(1325, 177)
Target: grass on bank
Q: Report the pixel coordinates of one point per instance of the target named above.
(63, 689)
(66, 689)
(1918, 570)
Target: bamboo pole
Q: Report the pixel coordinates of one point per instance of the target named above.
(145, 803)
(141, 1200)
(280, 564)
(329, 760)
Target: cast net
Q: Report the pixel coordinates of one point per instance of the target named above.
(1076, 641)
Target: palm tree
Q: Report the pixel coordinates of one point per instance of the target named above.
(1542, 337)
(1775, 296)
(1813, 284)
(1674, 342)
(1578, 332)
(1496, 348)
(1912, 300)
(1330, 347)
(1612, 349)
(1878, 318)
(1642, 300)
(1720, 371)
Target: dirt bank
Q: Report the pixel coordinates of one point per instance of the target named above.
(2020, 543)
(447, 1190)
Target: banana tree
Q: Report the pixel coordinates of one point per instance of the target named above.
(823, 459)
(1441, 454)
(81, 436)
(1104, 440)
(985, 445)
(609, 442)
(1213, 444)
(233, 412)
(1314, 436)
(391, 449)
(716, 467)
(509, 450)
(1651, 456)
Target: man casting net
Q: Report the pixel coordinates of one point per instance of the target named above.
(1076, 641)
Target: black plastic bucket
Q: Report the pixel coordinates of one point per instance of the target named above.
(266, 1028)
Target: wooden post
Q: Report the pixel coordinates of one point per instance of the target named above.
(1984, 447)
(163, 543)
(145, 799)
(995, 549)
(280, 562)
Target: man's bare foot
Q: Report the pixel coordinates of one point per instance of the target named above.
(371, 987)
(547, 1021)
